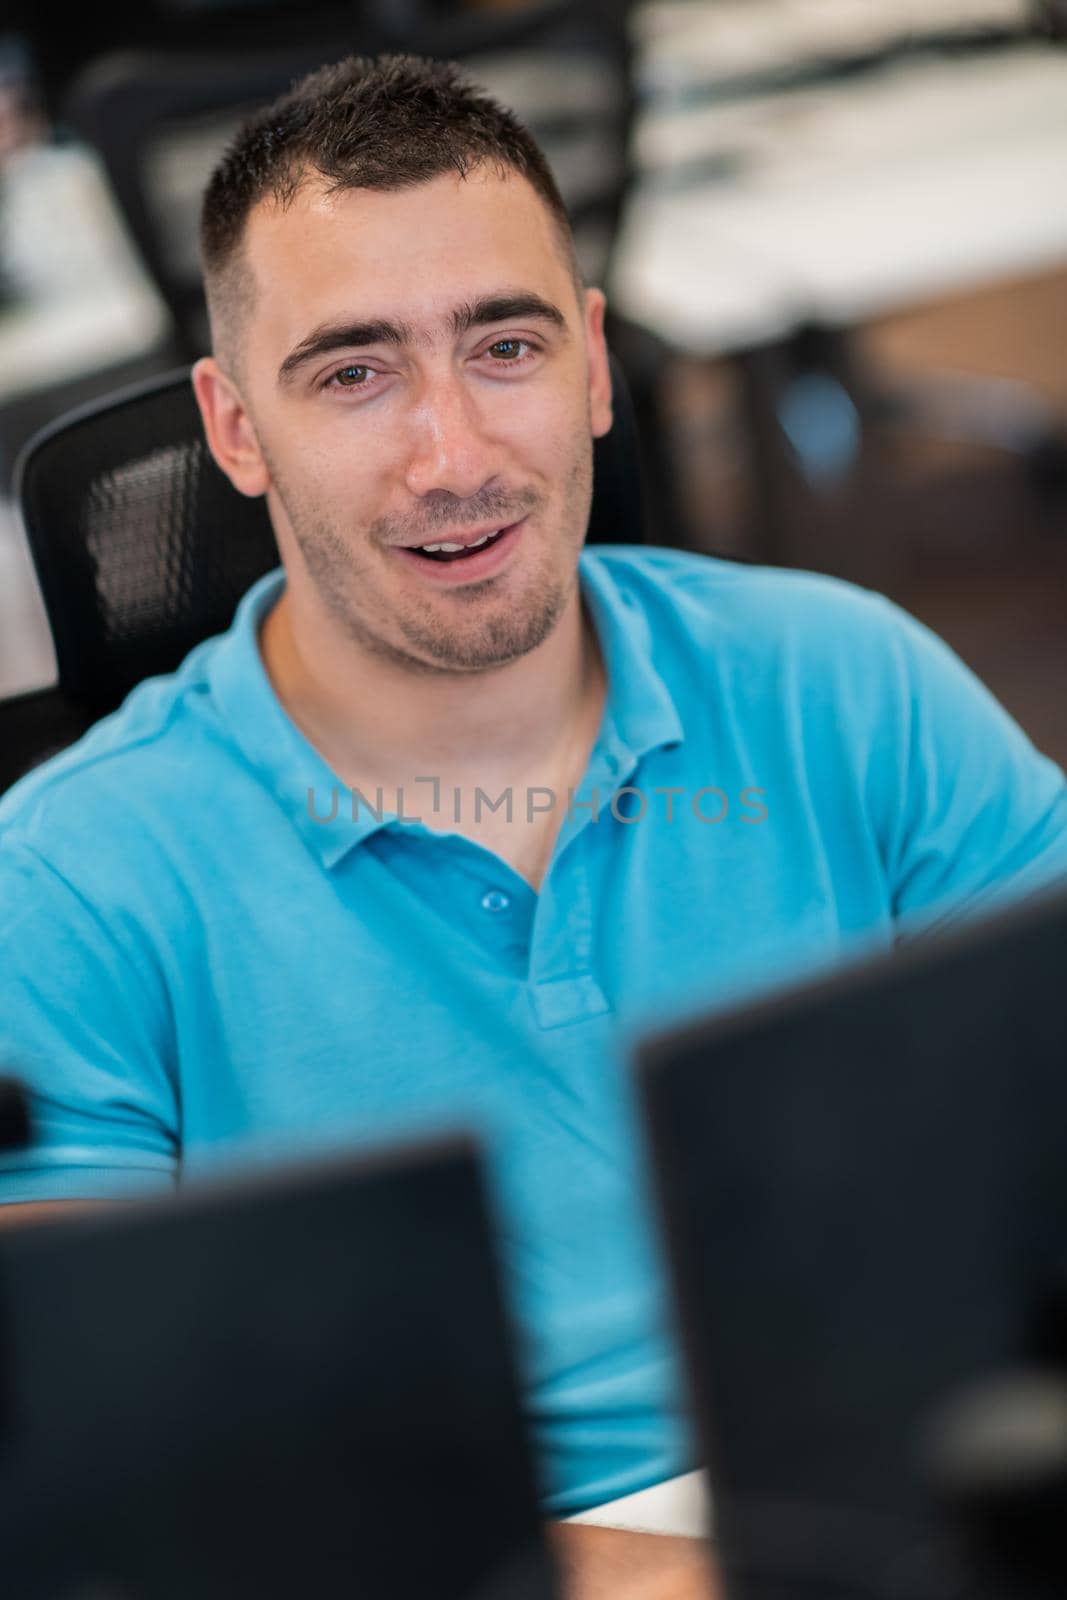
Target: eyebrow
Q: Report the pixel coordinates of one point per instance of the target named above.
(505, 307)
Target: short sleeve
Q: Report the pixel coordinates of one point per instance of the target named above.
(84, 1024)
(976, 815)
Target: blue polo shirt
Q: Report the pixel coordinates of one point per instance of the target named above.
(210, 949)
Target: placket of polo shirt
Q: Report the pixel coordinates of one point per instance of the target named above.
(563, 986)
(463, 883)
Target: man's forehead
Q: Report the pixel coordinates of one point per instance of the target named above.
(404, 243)
(494, 201)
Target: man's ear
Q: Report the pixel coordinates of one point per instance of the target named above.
(599, 371)
(231, 437)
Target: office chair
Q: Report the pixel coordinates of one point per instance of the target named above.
(143, 548)
(14, 1115)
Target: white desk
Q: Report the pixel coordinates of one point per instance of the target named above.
(848, 201)
(85, 301)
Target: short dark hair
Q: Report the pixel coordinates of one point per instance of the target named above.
(387, 122)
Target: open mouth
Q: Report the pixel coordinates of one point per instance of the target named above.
(450, 564)
(454, 552)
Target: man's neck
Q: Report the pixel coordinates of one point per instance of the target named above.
(376, 723)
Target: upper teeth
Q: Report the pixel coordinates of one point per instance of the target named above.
(472, 546)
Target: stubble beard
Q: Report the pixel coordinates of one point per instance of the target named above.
(497, 633)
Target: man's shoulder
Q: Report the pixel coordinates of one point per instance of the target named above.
(747, 607)
(157, 745)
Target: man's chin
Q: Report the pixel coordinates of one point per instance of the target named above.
(487, 648)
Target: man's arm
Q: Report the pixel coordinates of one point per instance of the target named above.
(16, 1215)
(85, 1028)
(599, 1563)
(972, 816)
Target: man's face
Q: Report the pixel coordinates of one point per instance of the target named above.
(418, 368)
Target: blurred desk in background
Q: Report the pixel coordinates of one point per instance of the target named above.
(27, 657)
(841, 202)
(81, 317)
(808, 166)
(80, 299)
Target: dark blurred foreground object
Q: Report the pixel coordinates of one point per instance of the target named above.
(864, 1182)
(143, 548)
(295, 1385)
(14, 1116)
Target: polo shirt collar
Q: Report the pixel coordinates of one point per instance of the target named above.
(639, 714)
(298, 776)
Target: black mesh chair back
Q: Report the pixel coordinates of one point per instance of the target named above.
(143, 547)
(141, 544)
(161, 119)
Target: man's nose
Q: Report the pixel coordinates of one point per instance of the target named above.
(447, 444)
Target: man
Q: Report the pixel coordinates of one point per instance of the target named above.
(224, 930)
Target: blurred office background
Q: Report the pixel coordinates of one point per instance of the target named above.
(833, 233)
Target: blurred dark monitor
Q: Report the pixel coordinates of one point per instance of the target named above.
(298, 1385)
(864, 1185)
(14, 1115)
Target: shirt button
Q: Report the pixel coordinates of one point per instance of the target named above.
(495, 900)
